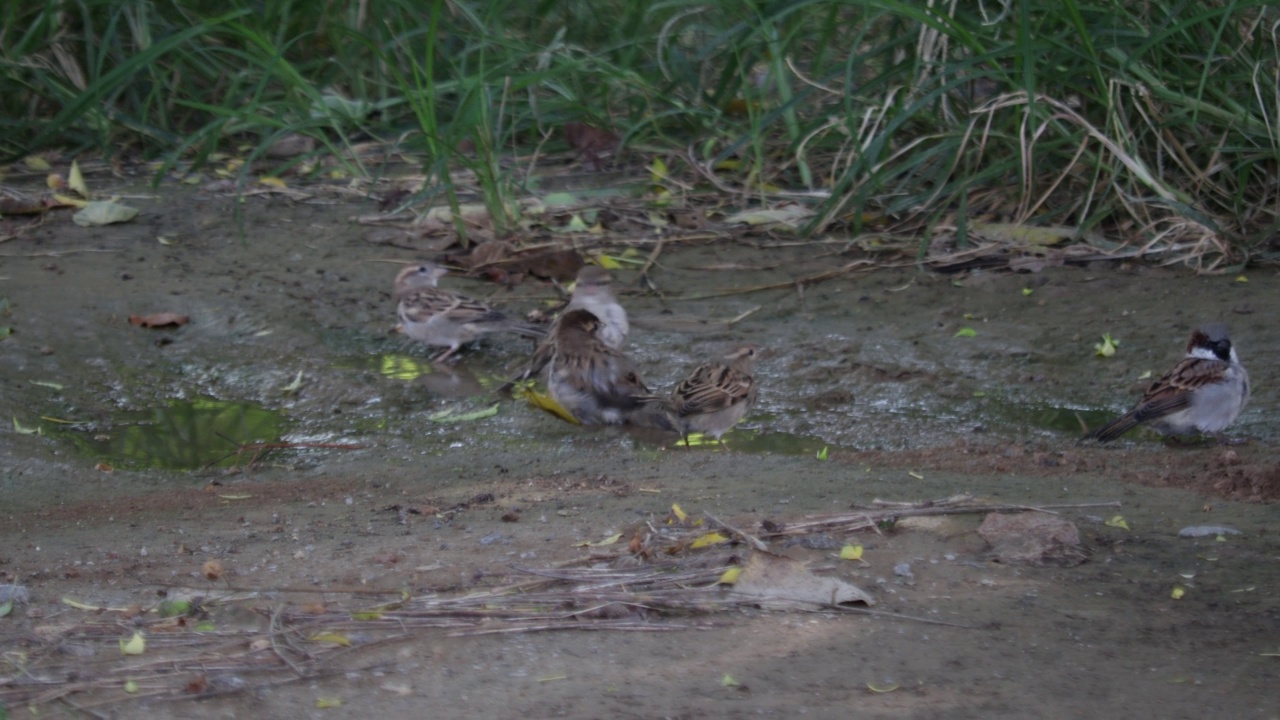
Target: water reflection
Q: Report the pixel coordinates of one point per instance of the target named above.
(183, 435)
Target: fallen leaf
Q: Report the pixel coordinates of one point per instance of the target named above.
(103, 212)
(447, 416)
(778, 582)
(331, 637)
(133, 646)
(711, 538)
(851, 552)
(159, 320)
(601, 543)
(75, 180)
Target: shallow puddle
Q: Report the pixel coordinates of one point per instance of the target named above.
(183, 435)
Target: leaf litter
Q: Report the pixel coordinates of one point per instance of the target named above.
(666, 578)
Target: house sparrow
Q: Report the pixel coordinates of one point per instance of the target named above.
(439, 317)
(593, 292)
(716, 396)
(593, 381)
(1202, 394)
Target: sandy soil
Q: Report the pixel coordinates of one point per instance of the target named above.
(869, 366)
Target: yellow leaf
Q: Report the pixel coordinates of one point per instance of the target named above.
(658, 170)
(1242, 279)
(601, 543)
(1177, 593)
(882, 688)
(728, 681)
(609, 263)
(131, 686)
(331, 637)
(36, 163)
(730, 576)
(915, 474)
(24, 430)
(235, 497)
(68, 200)
(1117, 522)
(272, 181)
(1107, 347)
(711, 538)
(680, 514)
(326, 703)
(75, 180)
(135, 645)
(546, 402)
(851, 552)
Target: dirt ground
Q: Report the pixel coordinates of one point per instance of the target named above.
(289, 342)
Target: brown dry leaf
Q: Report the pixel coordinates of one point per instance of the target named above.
(159, 320)
(780, 583)
(291, 145)
(588, 140)
(489, 253)
(211, 569)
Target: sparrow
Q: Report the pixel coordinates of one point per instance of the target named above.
(1204, 393)
(593, 292)
(439, 317)
(716, 395)
(596, 383)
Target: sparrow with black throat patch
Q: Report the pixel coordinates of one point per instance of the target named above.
(439, 317)
(1202, 394)
(716, 395)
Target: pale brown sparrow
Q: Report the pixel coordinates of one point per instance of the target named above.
(596, 383)
(1202, 394)
(439, 317)
(593, 292)
(716, 396)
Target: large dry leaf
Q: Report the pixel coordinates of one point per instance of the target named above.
(780, 583)
(103, 212)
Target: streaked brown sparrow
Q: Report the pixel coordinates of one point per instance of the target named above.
(596, 383)
(1204, 393)
(443, 318)
(716, 395)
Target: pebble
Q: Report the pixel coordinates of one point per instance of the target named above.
(1206, 530)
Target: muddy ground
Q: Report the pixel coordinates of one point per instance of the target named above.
(869, 366)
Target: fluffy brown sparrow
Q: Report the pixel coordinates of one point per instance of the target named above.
(1202, 394)
(594, 382)
(716, 396)
(436, 316)
(593, 292)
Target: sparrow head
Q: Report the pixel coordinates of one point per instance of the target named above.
(1211, 341)
(592, 279)
(743, 356)
(419, 276)
(579, 321)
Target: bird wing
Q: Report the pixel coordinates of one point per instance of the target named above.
(426, 303)
(1172, 392)
(710, 388)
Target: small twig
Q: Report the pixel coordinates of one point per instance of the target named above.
(751, 540)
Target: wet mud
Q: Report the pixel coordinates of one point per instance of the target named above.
(284, 430)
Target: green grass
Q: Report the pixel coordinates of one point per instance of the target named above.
(1150, 122)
